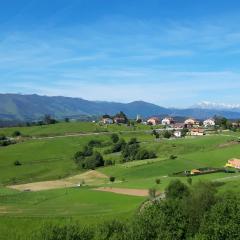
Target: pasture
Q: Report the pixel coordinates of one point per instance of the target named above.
(51, 159)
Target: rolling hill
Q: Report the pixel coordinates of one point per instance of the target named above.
(33, 107)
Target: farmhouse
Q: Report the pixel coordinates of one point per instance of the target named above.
(167, 121)
(153, 121)
(191, 122)
(119, 120)
(178, 125)
(197, 132)
(235, 163)
(209, 122)
(107, 121)
(195, 171)
(177, 134)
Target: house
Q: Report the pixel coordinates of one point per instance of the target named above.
(177, 134)
(107, 121)
(235, 163)
(178, 125)
(209, 122)
(167, 121)
(195, 171)
(153, 121)
(191, 122)
(197, 132)
(119, 120)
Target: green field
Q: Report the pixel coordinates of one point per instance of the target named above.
(52, 158)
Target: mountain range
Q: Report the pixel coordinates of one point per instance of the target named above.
(34, 107)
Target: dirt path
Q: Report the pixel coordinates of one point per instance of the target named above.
(91, 177)
(125, 191)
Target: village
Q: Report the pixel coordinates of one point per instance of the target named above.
(189, 127)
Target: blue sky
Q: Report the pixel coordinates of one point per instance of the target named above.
(169, 52)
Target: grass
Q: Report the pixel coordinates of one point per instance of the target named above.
(49, 159)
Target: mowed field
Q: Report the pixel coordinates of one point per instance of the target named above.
(50, 159)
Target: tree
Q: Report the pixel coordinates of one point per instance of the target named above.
(222, 221)
(16, 133)
(112, 179)
(2, 137)
(94, 161)
(119, 146)
(17, 163)
(189, 181)
(167, 134)
(176, 190)
(152, 193)
(158, 180)
(66, 120)
(114, 138)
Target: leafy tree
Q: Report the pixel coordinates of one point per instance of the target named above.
(66, 120)
(16, 133)
(94, 161)
(114, 138)
(158, 180)
(94, 143)
(152, 193)
(17, 163)
(222, 221)
(112, 179)
(119, 146)
(176, 190)
(167, 134)
(2, 137)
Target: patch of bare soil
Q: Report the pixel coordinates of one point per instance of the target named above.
(125, 191)
(90, 178)
(228, 144)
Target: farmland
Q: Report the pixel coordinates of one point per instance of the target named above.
(49, 159)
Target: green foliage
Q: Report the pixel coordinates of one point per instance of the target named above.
(176, 190)
(167, 134)
(119, 146)
(2, 137)
(157, 180)
(189, 180)
(112, 179)
(114, 138)
(94, 143)
(65, 232)
(152, 193)
(17, 163)
(16, 133)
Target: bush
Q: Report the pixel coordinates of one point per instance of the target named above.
(167, 134)
(94, 143)
(65, 232)
(114, 138)
(119, 146)
(176, 190)
(112, 179)
(16, 133)
(108, 162)
(96, 160)
(158, 181)
(152, 193)
(172, 157)
(2, 137)
(17, 163)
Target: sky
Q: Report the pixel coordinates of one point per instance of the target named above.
(173, 53)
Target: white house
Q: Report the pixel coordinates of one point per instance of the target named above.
(177, 134)
(153, 121)
(167, 121)
(107, 121)
(191, 123)
(209, 122)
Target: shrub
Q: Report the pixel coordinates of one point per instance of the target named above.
(167, 134)
(176, 190)
(96, 160)
(152, 193)
(2, 137)
(172, 157)
(112, 179)
(189, 181)
(158, 181)
(16, 133)
(17, 163)
(94, 143)
(108, 162)
(114, 138)
(119, 146)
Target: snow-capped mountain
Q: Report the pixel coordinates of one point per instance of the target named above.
(217, 106)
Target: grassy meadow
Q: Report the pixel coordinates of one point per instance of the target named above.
(52, 158)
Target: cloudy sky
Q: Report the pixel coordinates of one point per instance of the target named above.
(169, 52)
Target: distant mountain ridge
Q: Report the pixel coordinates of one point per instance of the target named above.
(33, 107)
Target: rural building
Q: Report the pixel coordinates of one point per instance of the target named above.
(197, 132)
(209, 122)
(119, 120)
(178, 125)
(153, 121)
(177, 134)
(235, 163)
(191, 122)
(195, 171)
(167, 121)
(107, 121)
